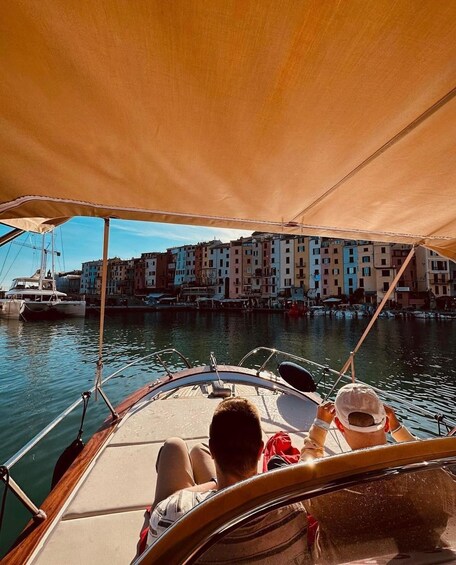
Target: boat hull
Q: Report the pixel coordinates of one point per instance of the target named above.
(10, 309)
(30, 310)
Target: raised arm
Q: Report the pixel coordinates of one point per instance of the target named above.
(397, 430)
(315, 440)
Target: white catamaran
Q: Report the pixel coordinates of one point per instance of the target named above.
(37, 297)
(328, 118)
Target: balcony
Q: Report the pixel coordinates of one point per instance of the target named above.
(254, 292)
(300, 265)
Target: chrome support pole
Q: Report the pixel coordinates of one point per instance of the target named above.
(213, 362)
(165, 366)
(114, 414)
(273, 352)
(36, 512)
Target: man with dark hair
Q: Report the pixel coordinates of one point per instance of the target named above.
(184, 479)
(236, 438)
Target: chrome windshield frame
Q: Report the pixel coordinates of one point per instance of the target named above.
(203, 526)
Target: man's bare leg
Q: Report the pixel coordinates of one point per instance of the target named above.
(174, 469)
(202, 463)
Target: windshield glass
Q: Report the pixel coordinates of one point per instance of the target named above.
(408, 516)
(402, 514)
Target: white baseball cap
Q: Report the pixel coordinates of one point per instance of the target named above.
(358, 397)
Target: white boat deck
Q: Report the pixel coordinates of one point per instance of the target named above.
(101, 522)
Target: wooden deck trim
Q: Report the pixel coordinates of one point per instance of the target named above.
(34, 531)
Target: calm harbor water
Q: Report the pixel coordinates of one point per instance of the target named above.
(46, 365)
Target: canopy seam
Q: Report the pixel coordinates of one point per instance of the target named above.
(283, 224)
(395, 139)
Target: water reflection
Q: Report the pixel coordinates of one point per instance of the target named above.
(45, 365)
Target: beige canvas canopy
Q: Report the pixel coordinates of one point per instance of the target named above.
(330, 118)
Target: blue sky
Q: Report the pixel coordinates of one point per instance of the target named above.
(81, 239)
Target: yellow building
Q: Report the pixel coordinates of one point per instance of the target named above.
(301, 257)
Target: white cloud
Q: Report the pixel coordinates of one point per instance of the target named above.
(82, 240)
(178, 233)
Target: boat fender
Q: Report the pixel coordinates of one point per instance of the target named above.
(297, 376)
(73, 450)
(66, 459)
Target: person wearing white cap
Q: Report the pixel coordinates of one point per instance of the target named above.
(361, 417)
(397, 515)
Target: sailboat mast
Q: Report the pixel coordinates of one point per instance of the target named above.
(43, 264)
(52, 262)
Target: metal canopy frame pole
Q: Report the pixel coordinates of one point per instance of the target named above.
(104, 282)
(4, 239)
(351, 359)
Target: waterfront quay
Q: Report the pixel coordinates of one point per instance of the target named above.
(291, 310)
(272, 271)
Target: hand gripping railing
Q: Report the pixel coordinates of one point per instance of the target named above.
(273, 353)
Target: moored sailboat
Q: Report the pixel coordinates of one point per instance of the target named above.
(37, 297)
